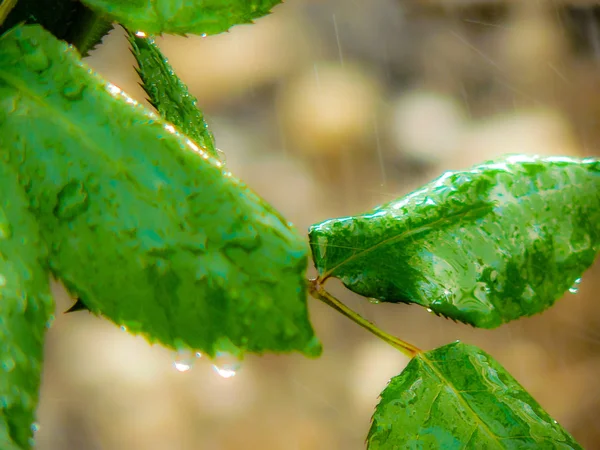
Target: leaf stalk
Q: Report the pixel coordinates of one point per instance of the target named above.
(317, 291)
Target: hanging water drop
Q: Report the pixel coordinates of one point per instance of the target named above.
(374, 301)
(221, 155)
(575, 288)
(35, 427)
(184, 360)
(203, 35)
(226, 364)
(140, 34)
(429, 310)
(182, 365)
(123, 328)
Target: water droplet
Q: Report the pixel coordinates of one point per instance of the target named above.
(72, 200)
(184, 360)
(221, 155)
(34, 57)
(123, 328)
(429, 310)
(203, 35)
(113, 89)
(170, 128)
(374, 301)
(35, 427)
(182, 365)
(73, 91)
(8, 364)
(575, 288)
(140, 34)
(50, 321)
(226, 364)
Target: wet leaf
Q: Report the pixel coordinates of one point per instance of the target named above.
(201, 17)
(65, 19)
(458, 397)
(503, 240)
(25, 309)
(168, 94)
(143, 226)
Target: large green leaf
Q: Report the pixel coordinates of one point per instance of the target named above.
(168, 94)
(485, 246)
(25, 308)
(143, 226)
(182, 16)
(459, 397)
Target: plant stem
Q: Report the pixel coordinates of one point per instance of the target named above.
(317, 291)
(5, 8)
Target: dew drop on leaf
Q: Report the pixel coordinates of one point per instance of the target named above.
(374, 301)
(575, 288)
(73, 92)
(140, 34)
(123, 328)
(8, 364)
(35, 427)
(50, 321)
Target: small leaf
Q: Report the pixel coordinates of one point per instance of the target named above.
(25, 308)
(503, 240)
(201, 17)
(458, 397)
(168, 94)
(143, 226)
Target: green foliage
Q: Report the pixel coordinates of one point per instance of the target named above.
(65, 19)
(142, 225)
(485, 246)
(145, 226)
(168, 94)
(457, 397)
(182, 16)
(25, 308)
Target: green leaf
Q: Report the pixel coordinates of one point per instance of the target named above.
(25, 308)
(503, 240)
(183, 16)
(143, 226)
(458, 397)
(66, 19)
(168, 94)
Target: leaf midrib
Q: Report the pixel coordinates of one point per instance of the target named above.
(400, 237)
(461, 399)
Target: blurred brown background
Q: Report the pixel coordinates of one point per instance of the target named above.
(328, 108)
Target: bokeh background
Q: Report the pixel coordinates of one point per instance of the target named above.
(328, 108)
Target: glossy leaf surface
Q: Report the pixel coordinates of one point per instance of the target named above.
(459, 397)
(183, 16)
(143, 226)
(485, 246)
(168, 94)
(25, 308)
